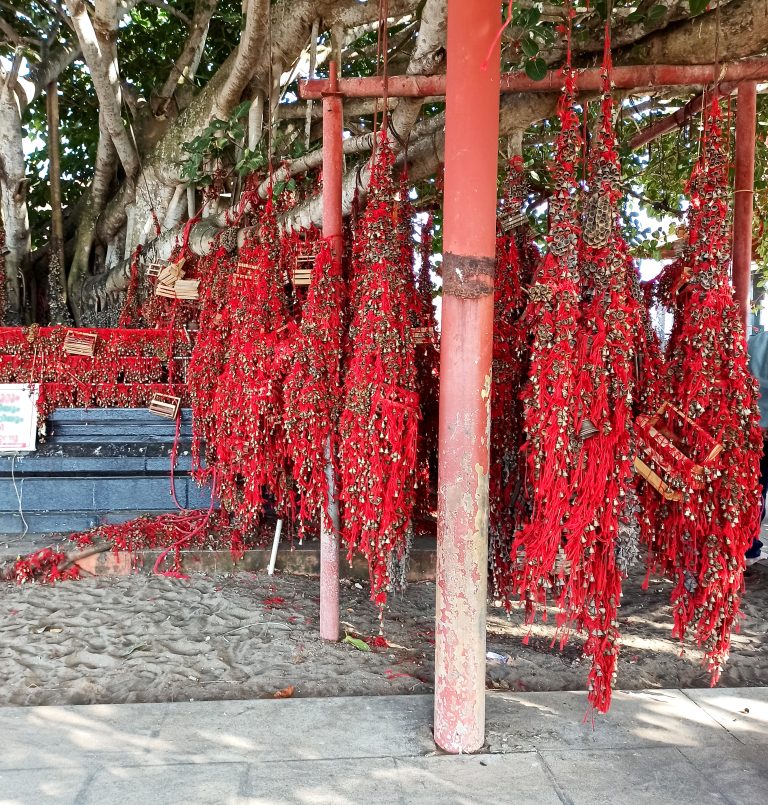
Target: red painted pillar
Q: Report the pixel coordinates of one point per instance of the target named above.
(332, 228)
(746, 123)
(469, 249)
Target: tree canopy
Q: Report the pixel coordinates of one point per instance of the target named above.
(159, 100)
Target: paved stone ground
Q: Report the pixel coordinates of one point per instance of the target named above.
(661, 746)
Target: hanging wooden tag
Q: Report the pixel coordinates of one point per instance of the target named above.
(665, 449)
(245, 273)
(181, 289)
(187, 289)
(422, 335)
(165, 405)
(77, 342)
(170, 273)
(301, 276)
(656, 481)
(154, 269)
(511, 220)
(304, 262)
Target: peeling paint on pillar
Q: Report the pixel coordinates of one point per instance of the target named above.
(463, 524)
(461, 595)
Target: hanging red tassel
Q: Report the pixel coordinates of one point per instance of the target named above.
(426, 340)
(313, 386)
(516, 257)
(378, 425)
(700, 539)
(603, 477)
(551, 406)
(125, 367)
(209, 356)
(248, 406)
(129, 315)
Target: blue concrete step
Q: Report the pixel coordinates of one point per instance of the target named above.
(118, 425)
(52, 494)
(47, 523)
(96, 466)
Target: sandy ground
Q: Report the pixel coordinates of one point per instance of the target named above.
(144, 638)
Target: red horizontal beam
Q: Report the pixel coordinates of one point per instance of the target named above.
(633, 77)
(678, 119)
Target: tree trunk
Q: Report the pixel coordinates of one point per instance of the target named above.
(57, 295)
(13, 201)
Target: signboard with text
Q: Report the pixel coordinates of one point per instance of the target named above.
(18, 417)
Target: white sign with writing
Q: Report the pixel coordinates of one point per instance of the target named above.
(18, 417)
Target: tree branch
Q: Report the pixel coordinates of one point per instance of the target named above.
(51, 68)
(743, 31)
(250, 49)
(352, 13)
(104, 75)
(169, 9)
(10, 32)
(96, 199)
(198, 31)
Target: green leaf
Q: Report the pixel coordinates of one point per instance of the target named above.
(544, 33)
(520, 17)
(360, 645)
(601, 6)
(534, 15)
(240, 110)
(656, 12)
(530, 48)
(298, 148)
(698, 6)
(536, 69)
(635, 16)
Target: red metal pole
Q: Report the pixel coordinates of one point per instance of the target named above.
(746, 123)
(333, 166)
(589, 80)
(469, 257)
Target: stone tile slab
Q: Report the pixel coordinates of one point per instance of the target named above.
(652, 775)
(438, 780)
(741, 711)
(559, 720)
(519, 778)
(300, 729)
(41, 786)
(177, 784)
(742, 773)
(78, 737)
(372, 781)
